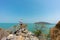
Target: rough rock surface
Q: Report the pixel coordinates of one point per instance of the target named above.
(21, 34)
(3, 33)
(55, 32)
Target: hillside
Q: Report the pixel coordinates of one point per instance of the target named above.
(42, 23)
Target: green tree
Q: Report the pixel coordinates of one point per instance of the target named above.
(37, 33)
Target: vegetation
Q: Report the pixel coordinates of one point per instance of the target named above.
(37, 33)
(48, 35)
(38, 29)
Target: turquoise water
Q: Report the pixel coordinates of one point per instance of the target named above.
(45, 29)
(7, 25)
(30, 26)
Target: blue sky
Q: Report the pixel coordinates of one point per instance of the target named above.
(12, 11)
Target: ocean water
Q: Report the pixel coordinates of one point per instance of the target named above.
(30, 26)
(44, 28)
(7, 25)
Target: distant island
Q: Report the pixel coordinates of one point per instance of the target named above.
(42, 23)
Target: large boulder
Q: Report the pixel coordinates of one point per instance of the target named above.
(55, 32)
(3, 33)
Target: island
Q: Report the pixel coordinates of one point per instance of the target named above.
(42, 23)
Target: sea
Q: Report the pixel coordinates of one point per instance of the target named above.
(30, 26)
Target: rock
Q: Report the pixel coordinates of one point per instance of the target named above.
(4, 38)
(25, 35)
(11, 36)
(58, 38)
(55, 32)
(21, 34)
(14, 37)
(3, 33)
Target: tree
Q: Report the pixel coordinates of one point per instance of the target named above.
(37, 33)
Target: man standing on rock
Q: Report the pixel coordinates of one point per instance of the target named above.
(55, 32)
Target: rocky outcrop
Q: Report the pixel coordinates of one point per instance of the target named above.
(55, 32)
(21, 34)
(3, 33)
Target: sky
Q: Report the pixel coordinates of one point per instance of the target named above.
(30, 11)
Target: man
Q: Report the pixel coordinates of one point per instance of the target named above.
(55, 32)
